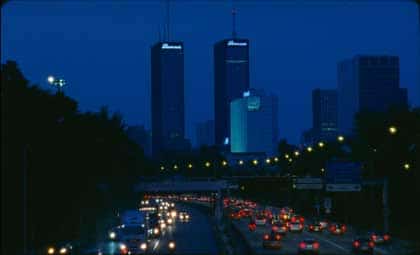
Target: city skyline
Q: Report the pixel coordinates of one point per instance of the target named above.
(279, 72)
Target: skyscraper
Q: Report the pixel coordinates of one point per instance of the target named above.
(168, 125)
(231, 78)
(324, 113)
(205, 133)
(254, 123)
(368, 83)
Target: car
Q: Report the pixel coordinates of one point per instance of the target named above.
(184, 217)
(295, 227)
(298, 219)
(323, 223)
(235, 214)
(133, 240)
(246, 212)
(308, 246)
(279, 228)
(337, 229)
(260, 220)
(64, 249)
(315, 227)
(363, 245)
(379, 238)
(272, 241)
(252, 226)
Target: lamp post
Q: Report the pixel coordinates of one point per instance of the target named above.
(58, 83)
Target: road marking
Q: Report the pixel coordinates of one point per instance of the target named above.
(156, 245)
(330, 242)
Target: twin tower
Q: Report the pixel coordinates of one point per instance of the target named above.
(231, 79)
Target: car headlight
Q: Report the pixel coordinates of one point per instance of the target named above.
(123, 247)
(169, 221)
(162, 225)
(143, 246)
(171, 245)
(173, 214)
(63, 251)
(181, 216)
(156, 231)
(187, 216)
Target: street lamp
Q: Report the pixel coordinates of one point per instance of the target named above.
(162, 168)
(340, 138)
(309, 149)
(51, 250)
(190, 166)
(322, 170)
(290, 160)
(255, 162)
(224, 163)
(286, 156)
(321, 144)
(407, 166)
(268, 161)
(276, 159)
(392, 130)
(241, 162)
(175, 167)
(207, 164)
(56, 82)
(296, 153)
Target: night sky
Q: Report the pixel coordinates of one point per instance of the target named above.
(102, 49)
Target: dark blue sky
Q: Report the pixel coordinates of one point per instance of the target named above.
(102, 48)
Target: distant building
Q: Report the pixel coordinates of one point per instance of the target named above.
(231, 79)
(324, 117)
(205, 133)
(168, 120)
(142, 137)
(254, 123)
(368, 83)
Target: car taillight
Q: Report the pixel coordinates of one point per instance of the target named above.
(284, 228)
(274, 228)
(302, 245)
(371, 244)
(343, 228)
(316, 246)
(266, 237)
(300, 226)
(374, 237)
(387, 237)
(278, 237)
(293, 219)
(302, 220)
(332, 228)
(356, 244)
(311, 227)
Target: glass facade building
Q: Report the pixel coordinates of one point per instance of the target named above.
(368, 83)
(231, 79)
(168, 117)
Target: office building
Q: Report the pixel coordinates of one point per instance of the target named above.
(368, 83)
(254, 123)
(205, 133)
(168, 127)
(231, 79)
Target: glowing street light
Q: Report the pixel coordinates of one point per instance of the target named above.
(241, 162)
(296, 153)
(321, 144)
(309, 149)
(190, 165)
(340, 138)
(207, 164)
(51, 250)
(407, 166)
(322, 170)
(112, 235)
(392, 130)
(224, 163)
(175, 167)
(268, 161)
(255, 162)
(290, 160)
(286, 156)
(58, 83)
(276, 159)
(162, 168)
